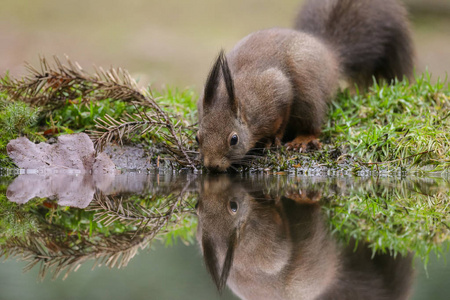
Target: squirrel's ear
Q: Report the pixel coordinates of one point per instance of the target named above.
(229, 85)
(210, 258)
(219, 277)
(212, 83)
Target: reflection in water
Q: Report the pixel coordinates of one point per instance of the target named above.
(110, 231)
(266, 237)
(279, 247)
(77, 190)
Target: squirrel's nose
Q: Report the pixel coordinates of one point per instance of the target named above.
(214, 166)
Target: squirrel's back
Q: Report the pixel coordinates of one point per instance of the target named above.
(371, 37)
(274, 85)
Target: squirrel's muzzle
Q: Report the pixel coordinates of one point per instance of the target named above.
(216, 165)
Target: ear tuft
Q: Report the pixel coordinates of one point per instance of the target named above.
(211, 263)
(212, 83)
(219, 277)
(228, 79)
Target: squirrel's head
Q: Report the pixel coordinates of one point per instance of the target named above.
(250, 236)
(223, 210)
(223, 135)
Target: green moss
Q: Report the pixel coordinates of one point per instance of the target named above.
(401, 125)
(16, 118)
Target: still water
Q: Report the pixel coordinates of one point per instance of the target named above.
(166, 236)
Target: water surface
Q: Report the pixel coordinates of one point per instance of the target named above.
(167, 236)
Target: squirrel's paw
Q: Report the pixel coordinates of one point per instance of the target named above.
(305, 196)
(304, 144)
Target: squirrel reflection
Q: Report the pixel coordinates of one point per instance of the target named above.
(280, 248)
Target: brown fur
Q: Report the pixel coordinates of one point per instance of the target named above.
(280, 248)
(371, 38)
(274, 85)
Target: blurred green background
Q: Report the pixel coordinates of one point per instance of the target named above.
(172, 42)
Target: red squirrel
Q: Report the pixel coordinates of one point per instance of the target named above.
(274, 85)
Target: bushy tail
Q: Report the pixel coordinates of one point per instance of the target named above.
(371, 37)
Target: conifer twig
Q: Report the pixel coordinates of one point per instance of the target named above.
(54, 85)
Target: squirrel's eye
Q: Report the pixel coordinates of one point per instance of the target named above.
(234, 140)
(233, 207)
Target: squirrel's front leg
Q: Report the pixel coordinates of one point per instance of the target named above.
(280, 126)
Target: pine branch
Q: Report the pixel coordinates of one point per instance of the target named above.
(53, 85)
